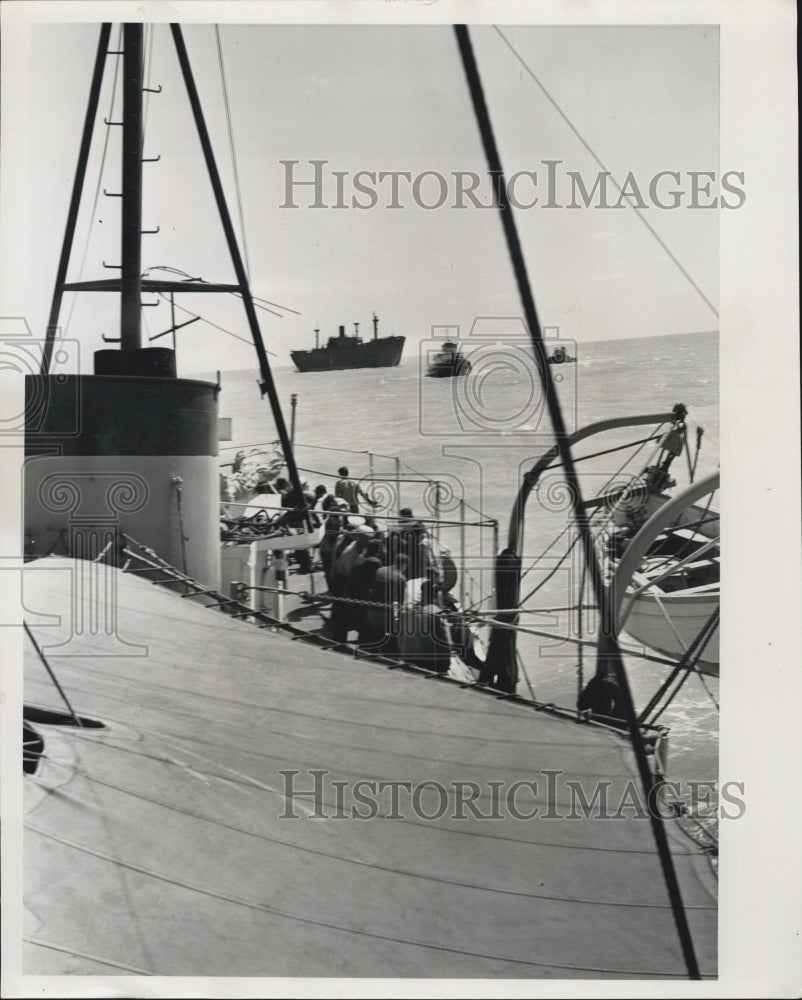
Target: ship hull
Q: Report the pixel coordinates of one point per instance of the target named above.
(382, 353)
(669, 624)
(449, 367)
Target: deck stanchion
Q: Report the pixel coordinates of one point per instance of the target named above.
(280, 566)
(398, 484)
(495, 553)
(462, 569)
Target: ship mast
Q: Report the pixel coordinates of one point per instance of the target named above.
(131, 240)
(133, 359)
(375, 326)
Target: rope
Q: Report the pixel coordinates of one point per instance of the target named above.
(592, 152)
(348, 513)
(433, 482)
(150, 34)
(346, 451)
(687, 663)
(233, 151)
(522, 668)
(536, 611)
(699, 432)
(53, 678)
(216, 326)
(687, 450)
(707, 690)
(99, 180)
(558, 424)
(546, 579)
(388, 478)
(262, 303)
(590, 643)
(308, 596)
(619, 471)
(609, 451)
(642, 443)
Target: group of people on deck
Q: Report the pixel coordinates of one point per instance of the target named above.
(388, 584)
(397, 573)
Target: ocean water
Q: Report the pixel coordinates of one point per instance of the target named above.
(475, 437)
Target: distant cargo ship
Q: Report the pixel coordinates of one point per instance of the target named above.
(351, 352)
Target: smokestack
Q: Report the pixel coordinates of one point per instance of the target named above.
(342, 331)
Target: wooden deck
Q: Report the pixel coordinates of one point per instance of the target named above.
(162, 844)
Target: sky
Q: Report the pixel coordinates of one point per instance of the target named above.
(629, 100)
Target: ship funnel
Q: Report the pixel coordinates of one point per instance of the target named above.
(150, 362)
(342, 331)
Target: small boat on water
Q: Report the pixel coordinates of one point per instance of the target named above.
(559, 356)
(449, 362)
(342, 352)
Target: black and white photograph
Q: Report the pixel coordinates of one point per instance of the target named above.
(400, 561)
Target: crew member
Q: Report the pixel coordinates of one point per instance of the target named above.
(346, 489)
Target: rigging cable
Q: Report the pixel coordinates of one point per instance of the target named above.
(688, 664)
(150, 34)
(611, 479)
(558, 424)
(233, 152)
(99, 181)
(217, 326)
(609, 451)
(595, 156)
(699, 432)
(545, 580)
(259, 303)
